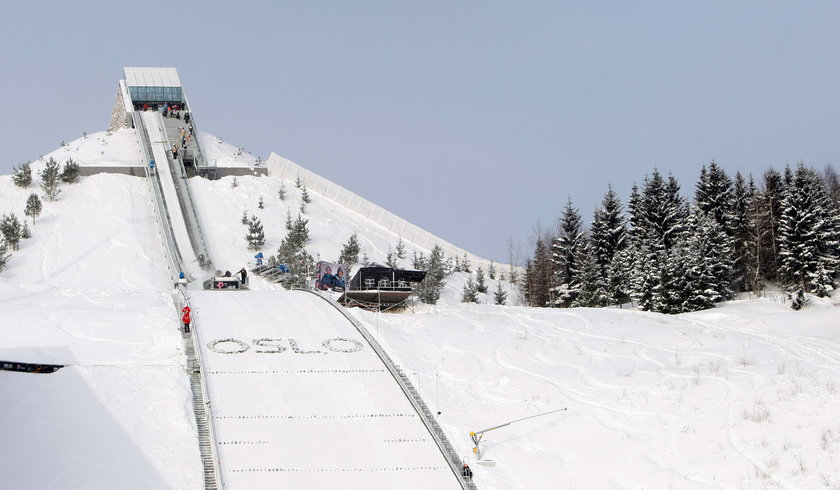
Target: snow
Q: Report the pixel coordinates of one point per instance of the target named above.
(744, 395)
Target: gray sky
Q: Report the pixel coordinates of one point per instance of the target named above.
(473, 120)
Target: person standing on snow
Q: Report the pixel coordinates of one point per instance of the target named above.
(243, 274)
(185, 318)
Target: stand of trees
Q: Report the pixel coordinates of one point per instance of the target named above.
(673, 255)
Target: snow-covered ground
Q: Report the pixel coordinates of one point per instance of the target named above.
(741, 396)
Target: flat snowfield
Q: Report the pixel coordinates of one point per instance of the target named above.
(300, 400)
(741, 396)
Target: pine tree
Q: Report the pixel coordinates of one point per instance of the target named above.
(457, 266)
(808, 237)
(33, 207)
(470, 292)
(25, 233)
(715, 198)
(491, 271)
(480, 281)
(289, 222)
(428, 291)
(70, 174)
(593, 282)
(567, 254)
(255, 235)
(769, 218)
(500, 296)
(49, 180)
(298, 182)
(658, 216)
(465, 264)
(608, 236)
(22, 176)
(260, 203)
(538, 281)
(244, 218)
(11, 230)
(400, 249)
(391, 259)
(292, 252)
(350, 251)
(281, 192)
(304, 196)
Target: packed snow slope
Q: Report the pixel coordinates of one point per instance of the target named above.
(741, 396)
(300, 400)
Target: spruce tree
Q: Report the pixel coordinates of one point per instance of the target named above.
(769, 217)
(70, 174)
(49, 180)
(292, 252)
(11, 230)
(33, 207)
(491, 271)
(470, 292)
(593, 281)
(22, 176)
(289, 222)
(281, 192)
(25, 233)
(304, 196)
(480, 281)
(391, 259)
(400, 248)
(260, 203)
(808, 237)
(465, 264)
(500, 296)
(244, 218)
(255, 235)
(608, 237)
(538, 282)
(350, 251)
(567, 255)
(428, 291)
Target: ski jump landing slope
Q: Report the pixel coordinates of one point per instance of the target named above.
(300, 400)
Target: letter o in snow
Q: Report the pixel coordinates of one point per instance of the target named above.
(213, 346)
(355, 347)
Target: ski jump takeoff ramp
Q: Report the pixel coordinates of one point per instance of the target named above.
(299, 399)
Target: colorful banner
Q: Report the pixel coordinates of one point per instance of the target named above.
(330, 276)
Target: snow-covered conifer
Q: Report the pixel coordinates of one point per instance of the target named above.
(281, 192)
(33, 207)
(470, 292)
(491, 271)
(567, 255)
(480, 281)
(255, 235)
(49, 180)
(465, 263)
(4, 255)
(22, 176)
(70, 174)
(808, 237)
(500, 296)
(11, 229)
(428, 291)
(350, 251)
(400, 249)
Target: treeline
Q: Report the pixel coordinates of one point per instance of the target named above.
(671, 255)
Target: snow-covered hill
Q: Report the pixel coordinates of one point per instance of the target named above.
(741, 396)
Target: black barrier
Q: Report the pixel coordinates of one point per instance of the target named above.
(28, 367)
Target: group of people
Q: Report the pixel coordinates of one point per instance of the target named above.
(174, 110)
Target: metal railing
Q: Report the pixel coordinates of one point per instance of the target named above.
(426, 415)
(198, 385)
(173, 258)
(201, 403)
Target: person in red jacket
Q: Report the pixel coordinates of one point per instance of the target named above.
(185, 318)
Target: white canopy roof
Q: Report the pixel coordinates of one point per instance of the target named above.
(151, 76)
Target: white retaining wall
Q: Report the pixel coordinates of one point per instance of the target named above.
(284, 168)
